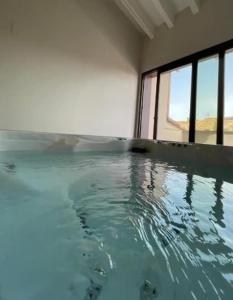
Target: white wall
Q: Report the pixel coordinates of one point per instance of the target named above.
(68, 66)
(191, 33)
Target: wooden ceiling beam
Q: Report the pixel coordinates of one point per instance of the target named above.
(165, 12)
(134, 11)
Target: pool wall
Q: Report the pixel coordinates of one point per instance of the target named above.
(172, 152)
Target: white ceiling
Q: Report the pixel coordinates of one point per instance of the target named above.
(146, 15)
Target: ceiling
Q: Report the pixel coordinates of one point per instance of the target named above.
(146, 15)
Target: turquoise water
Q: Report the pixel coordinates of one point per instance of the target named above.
(125, 226)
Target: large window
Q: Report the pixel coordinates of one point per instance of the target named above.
(174, 104)
(194, 98)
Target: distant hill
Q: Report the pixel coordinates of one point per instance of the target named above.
(207, 124)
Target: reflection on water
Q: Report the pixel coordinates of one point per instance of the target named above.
(112, 226)
(217, 211)
(185, 212)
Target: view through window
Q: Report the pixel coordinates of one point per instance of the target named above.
(174, 104)
(207, 101)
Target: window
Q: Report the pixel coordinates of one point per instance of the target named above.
(193, 98)
(207, 101)
(228, 107)
(174, 105)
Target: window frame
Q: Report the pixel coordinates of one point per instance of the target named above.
(192, 59)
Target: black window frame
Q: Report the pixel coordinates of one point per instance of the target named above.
(192, 59)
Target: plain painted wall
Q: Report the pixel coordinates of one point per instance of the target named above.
(68, 66)
(191, 33)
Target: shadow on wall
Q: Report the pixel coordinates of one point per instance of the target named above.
(65, 65)
(98, 12)
(94, 32)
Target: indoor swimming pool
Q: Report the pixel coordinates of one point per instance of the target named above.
(104, 225)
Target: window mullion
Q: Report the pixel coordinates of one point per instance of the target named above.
(192, 118)
(220, 98)
(156, 106)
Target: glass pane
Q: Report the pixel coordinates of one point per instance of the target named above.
(228, 105)
(207, 101)
(148, 109)
(174, 105)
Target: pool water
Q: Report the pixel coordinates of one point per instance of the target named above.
(112, 226)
